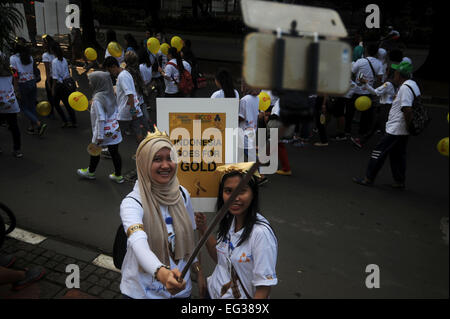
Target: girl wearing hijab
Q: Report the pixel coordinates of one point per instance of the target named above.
(105, 127)
(159, 221)
(22, 64)
(245, 248)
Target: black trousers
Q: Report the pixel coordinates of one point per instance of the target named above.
(117, 160)
(393, 146)
(62, 94)
(11, 120)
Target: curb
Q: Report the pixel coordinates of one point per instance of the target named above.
(84, 254)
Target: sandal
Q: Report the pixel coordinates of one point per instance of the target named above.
(31, 276)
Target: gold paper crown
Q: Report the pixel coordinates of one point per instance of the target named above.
(157, 134)
(242, 168)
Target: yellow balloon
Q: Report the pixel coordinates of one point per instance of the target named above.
(165, 48)
(177, 42)
(442, 146)
(78, 101)
(447, 117)
(264, 101)
(90, 54)
(43, 108)
(363, 103)
(153, 45)
(115, 49)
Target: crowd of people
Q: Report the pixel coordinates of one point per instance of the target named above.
(157, 215)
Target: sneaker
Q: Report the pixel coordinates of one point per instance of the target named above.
(42, 129)
(285, 141)
(339, 138)
(117, 179)
(31, 131)
(362, 181)
(133, 157)
(357, 142)
(31, 276)
(127, 132)
(17, 154)
(84, 172)
(285, 173)
(320, 144)
(299, 144)
(398, 185)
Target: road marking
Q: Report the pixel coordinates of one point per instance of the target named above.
(105, 261)
(25, 236)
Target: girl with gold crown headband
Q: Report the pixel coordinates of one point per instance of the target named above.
(159, 221)
(245, 249)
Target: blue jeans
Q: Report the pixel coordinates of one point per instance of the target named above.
(27, 102)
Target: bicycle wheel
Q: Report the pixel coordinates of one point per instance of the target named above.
(2, 231)
(8, 217)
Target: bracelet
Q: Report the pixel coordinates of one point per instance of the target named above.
(134, 228)
(157, 269)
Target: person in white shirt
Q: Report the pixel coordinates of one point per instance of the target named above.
(128, 102)
(145, 68)
(371, 69)
(111, 37)
(60, 91)
(395, 140)
(22, 64)
(248, 118)
(159, 221)
(245, 249)
(105, 127)
(172, 71)
(47, 59)
(382, 57)
(8, 104)
(224, 82)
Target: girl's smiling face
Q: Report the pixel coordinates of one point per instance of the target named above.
(242, 201)
(163, 167)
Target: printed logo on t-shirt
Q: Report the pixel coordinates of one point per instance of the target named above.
(244, 258)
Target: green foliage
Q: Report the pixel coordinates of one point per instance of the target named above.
(10, 20)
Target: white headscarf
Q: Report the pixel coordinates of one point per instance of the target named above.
(103, 91)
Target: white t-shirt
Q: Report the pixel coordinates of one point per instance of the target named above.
(48, 57)
(8, 100)
(362, 66)
(25, 71)
(125, 87)
(103, 127)
(254, 261)
(396, 124)
(220, 94)
(249, 110)
(60, 70)
(139, 285)
(276, 108)
(386, 92)
(146, 73)
(172, 72)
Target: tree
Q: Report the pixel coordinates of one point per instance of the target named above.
(10, 20)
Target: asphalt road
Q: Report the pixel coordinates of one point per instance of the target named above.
(328, 228)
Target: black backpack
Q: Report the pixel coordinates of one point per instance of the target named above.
(120, 241)
(420, 118)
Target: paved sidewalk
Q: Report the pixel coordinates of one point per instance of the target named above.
(95, 281)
